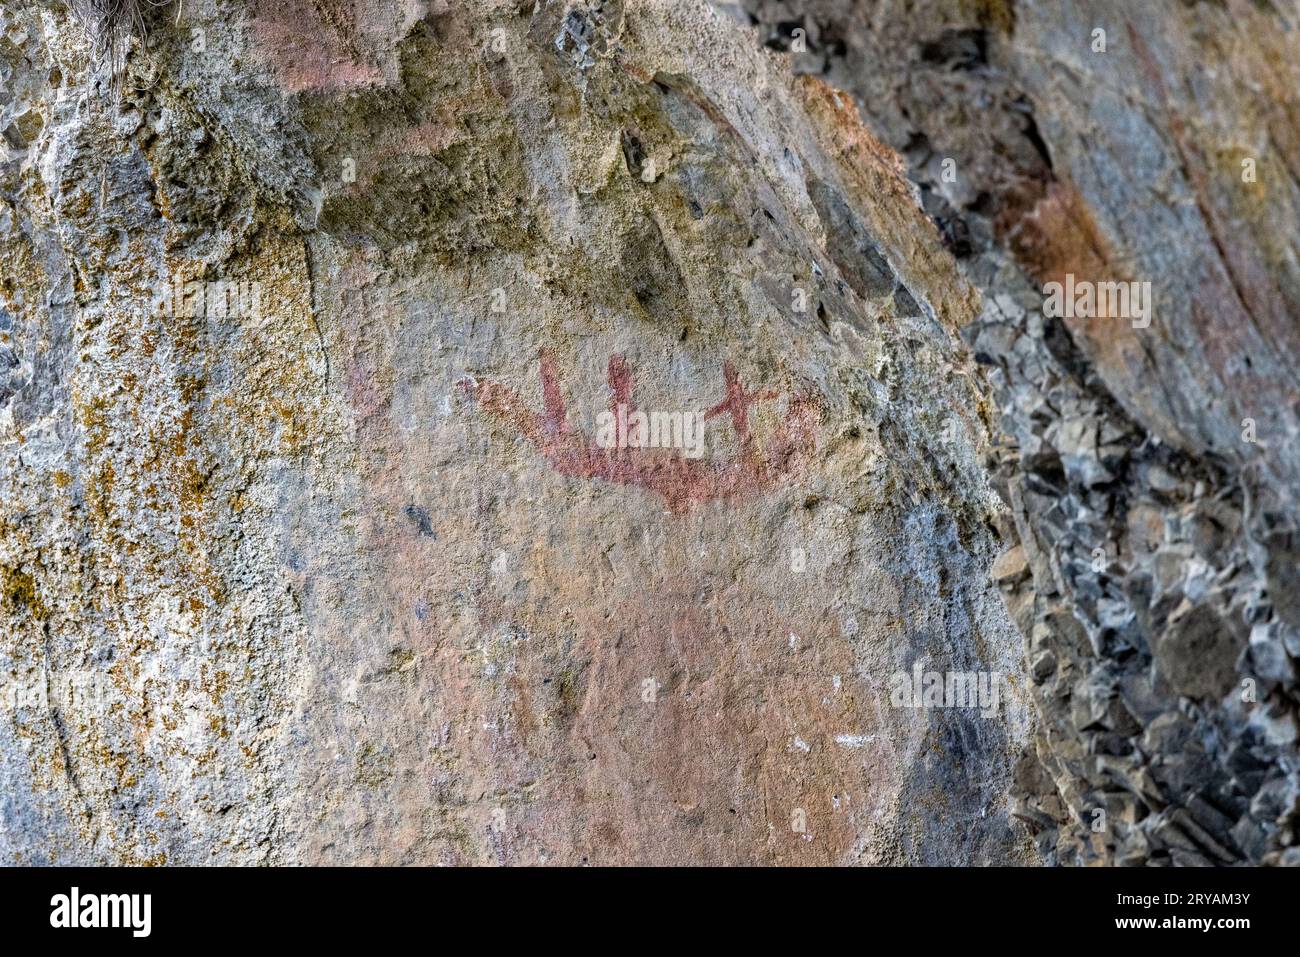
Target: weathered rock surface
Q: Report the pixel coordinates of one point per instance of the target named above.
(341, 572)
(342, 575)
(1151, 471)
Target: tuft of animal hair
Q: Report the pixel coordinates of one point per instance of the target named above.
(111, 25)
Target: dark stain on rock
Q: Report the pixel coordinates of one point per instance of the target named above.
(420, 519)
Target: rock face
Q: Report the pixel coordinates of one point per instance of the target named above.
(1151, 464)
(327, 558)
(324, 329)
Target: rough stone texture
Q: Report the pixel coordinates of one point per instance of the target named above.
(1151, 473)
(348, 581)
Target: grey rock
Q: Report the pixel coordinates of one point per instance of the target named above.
(1197, 653)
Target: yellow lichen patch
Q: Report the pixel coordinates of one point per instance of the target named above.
(1249, 175)
(1251, 200)
(19, 594)
(999, 15)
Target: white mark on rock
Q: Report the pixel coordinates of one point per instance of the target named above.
(854, 740)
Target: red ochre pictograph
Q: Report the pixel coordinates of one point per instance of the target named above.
(682, 482)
